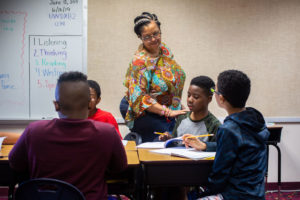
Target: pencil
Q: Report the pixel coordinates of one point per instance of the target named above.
(209, 158)
(190, 137)
(159, 133)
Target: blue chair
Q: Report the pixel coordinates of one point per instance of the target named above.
(47, 189)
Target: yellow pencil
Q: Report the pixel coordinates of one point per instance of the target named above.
(190, 137)
(209, 158)
(159, 133)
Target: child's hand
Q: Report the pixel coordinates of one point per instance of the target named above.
(190, 141)
(165, 136)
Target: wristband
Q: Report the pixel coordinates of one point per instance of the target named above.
(163, 110)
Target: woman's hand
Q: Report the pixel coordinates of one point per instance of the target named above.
(190, 141)
(165, 136)
(175, 113)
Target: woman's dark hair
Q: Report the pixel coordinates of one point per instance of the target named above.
(205, 83)
(93, 84)
(235, 86)
(144, 19)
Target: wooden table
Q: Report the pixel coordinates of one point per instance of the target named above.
(130, 146)
(4, 152)
(132, 157)
(166, 171)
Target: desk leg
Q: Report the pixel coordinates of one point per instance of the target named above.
(279, 166)
(266, 175)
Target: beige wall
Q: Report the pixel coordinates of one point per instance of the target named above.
(260, 37)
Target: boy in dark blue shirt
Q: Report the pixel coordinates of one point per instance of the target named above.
(241, 156)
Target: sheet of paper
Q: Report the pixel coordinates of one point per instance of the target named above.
(124, 142)
(151, 145)
(186, 153)
(1, 140)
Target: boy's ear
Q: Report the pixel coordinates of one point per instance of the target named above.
(90, 105)
(222, 99)
(209, 99)
(56, 105)
(98, 100)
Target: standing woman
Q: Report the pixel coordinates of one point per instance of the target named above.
(154, 81)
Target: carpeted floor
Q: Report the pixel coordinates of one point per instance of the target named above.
(270, 195)
(294, 195)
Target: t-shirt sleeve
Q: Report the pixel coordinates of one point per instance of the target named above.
(113, 121)
(118, 161)
(178, 121)
(212, 127)
(18, 158)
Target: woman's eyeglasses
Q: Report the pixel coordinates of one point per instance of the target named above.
(148, 38)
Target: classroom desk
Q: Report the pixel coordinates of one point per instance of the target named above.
(274, 139)
(130, 146)
(120, 183)
(164, 170)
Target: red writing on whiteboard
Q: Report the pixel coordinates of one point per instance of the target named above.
(45, 84)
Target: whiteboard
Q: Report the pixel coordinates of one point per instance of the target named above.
(40, 40)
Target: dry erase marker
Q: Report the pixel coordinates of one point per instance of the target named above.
(200, 136)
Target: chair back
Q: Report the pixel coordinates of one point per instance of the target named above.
(134, 136)
(47, 189)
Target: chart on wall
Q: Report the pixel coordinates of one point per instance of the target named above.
(39, 40)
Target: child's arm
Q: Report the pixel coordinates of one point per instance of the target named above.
(227, 150)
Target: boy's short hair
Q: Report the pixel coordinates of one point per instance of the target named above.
(235, 86)
(93, 84)
(75, 97)
(205, 83)
(72, 76)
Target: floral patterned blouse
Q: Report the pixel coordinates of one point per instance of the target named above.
(153, 80)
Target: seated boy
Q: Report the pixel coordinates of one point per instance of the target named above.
(96, 113)
(199, 121)
(72, 148)
(241, 157)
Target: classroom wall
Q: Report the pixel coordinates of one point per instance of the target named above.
(259, 37)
